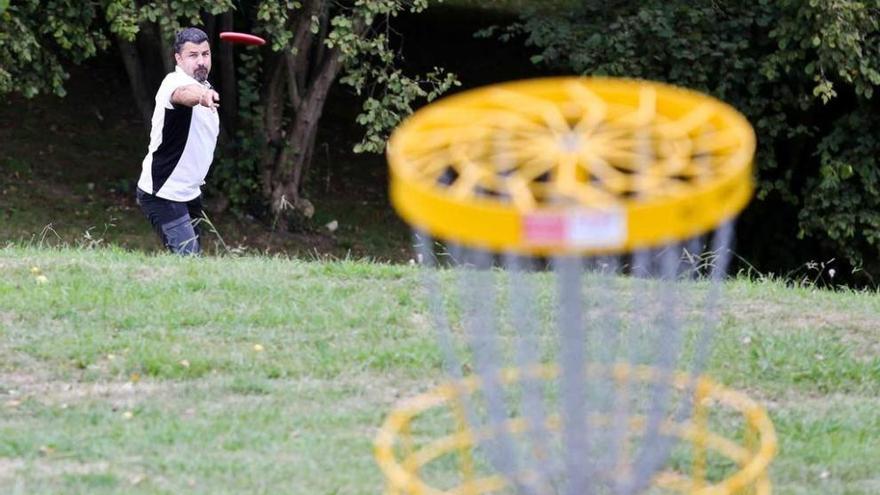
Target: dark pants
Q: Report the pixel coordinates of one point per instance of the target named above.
(175, 222)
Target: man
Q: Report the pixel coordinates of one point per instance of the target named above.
(184, 133)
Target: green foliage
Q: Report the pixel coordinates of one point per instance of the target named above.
(168, 15)
(237, 172)
(370, 70)
(36, 35)
(123, 18)
(803, 72)
(360, 36)
(844, 197)
(357, 36)
(384, 110)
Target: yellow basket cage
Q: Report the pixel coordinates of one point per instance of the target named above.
(404, 461)
(567, 173)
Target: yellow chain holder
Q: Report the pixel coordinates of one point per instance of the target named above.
(571, 165)
(409, 458)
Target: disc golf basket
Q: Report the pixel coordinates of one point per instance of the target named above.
(576, 232)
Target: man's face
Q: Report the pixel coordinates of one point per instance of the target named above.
(195, 60)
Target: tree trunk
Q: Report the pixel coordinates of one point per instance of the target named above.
(166, 49)
(228, 93)
(134, 67)
(272, 96)
(300, 136)
(209, 22)
(309, 73)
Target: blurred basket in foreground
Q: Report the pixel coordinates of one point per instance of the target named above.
(575, 234)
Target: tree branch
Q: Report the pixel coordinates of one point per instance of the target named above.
(303, 41)
(273, 100)
(292, 85)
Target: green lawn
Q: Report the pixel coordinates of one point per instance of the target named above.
(126, 372)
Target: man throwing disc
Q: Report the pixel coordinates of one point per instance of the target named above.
(184, 133)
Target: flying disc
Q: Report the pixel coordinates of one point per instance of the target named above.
(242, 38)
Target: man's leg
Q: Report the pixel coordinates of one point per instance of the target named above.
(172, 221)
(194, 208)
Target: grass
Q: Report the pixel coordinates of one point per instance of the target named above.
(143, 373)
(134, 373)
(171, 343)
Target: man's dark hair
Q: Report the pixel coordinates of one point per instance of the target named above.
(191, 35)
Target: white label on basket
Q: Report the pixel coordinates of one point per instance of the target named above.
(576, 228)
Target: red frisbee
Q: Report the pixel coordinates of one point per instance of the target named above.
(242, 38)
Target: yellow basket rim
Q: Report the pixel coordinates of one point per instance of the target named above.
(753, 462)
(626, 224)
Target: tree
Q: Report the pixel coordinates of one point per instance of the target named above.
(804, 73)
(313, 43)
(272, 97)
(36, 35)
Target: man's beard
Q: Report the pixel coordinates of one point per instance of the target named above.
(200, 74)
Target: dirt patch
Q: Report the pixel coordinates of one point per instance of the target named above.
(871, 485)
(805, 399)
(7, 318)
(152, 273)
(355, 391)
(372, 386)
(16, 381)
(859, 330)
(14, 471)
(18, 387)
(8, 467)
(48, 467)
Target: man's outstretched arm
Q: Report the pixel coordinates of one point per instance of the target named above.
(195, 94)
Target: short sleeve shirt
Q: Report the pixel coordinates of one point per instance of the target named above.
(182, 142)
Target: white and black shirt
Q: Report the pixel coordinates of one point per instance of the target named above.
(182, 143)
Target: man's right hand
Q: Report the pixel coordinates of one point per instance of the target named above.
(196, 94)
(210, 99)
